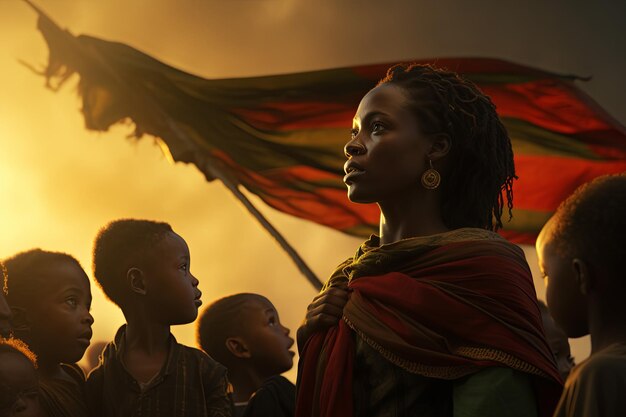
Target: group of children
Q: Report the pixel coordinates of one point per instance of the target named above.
(144, 268)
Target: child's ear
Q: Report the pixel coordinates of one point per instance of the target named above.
(237, 347)
(20, 320)
(582, 275)
(136, 280)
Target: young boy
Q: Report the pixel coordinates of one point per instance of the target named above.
(50, 298)
(581, 254)
(143, 267)
(19, 389)
(244, 333)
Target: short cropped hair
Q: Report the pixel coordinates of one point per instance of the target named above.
(591, 223)
(12, 345)
(221, 320)
(117, 246)
(24, 271)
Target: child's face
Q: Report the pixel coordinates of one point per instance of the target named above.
(60, 325)
(267, 339)
(18, 386)
(172, 291)
(5, 316)
(566, 303)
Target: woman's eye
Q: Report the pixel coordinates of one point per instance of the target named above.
(272, 321)
(73, 302)
(184, 267)
(377, 127)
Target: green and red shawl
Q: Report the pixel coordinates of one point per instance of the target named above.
(443, 306)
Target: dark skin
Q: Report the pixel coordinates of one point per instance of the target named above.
(163, 292)
(387, 155)
(57, 323)
(583, 297)
(260, 351)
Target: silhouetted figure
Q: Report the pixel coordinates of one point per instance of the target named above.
(581, 254)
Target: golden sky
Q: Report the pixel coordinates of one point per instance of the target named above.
(60, 183)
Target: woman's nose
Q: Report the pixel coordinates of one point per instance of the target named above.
(354, 148)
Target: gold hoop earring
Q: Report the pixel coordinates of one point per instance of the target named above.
(431, 178)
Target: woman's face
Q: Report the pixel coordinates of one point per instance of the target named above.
(387, 153)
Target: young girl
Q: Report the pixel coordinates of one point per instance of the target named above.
(437, 315)
(50, 297)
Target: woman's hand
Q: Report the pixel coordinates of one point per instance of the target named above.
(325, 311)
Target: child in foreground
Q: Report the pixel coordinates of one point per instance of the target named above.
(143, 267)
(19, 389)
(581, 253)
(50, 297)
(244, 333)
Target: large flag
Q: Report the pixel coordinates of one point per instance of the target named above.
(282, 136)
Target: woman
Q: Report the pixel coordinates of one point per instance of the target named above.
(436, 316)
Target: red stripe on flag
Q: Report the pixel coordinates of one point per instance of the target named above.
(545, 181)
(548, 104)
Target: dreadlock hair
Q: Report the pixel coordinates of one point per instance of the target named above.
(12, 345)
(590, 224)
(481, 157)
(24, 275)
(221, 320)
(118, 246)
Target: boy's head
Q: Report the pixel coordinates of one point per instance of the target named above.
(19, 394)
(580, 250)
(50, 298)
(557, 339)
(5, 311)
(143, 264)
(244, 330)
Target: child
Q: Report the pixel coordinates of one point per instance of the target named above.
(143, 267)
(244, 333)
(581, 254)
(49, 296)
(19, 390)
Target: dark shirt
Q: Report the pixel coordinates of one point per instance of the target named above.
(189, 384)
(64, 397)
(275, 398)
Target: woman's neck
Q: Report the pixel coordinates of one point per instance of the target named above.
(413, 216)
